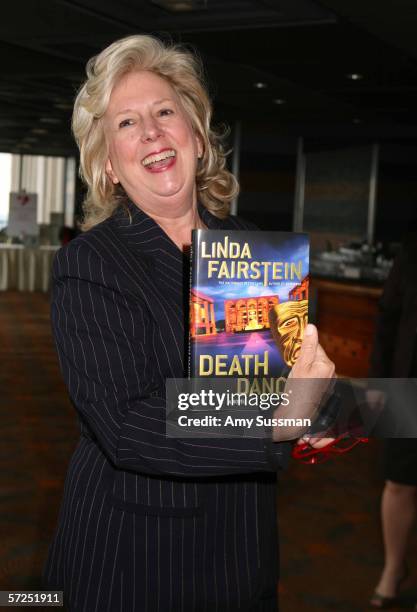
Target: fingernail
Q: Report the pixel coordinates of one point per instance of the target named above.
(309, 330)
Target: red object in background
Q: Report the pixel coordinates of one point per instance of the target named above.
(340, 445)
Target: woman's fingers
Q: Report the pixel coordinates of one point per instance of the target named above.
(322, 367)
(321, 355)
(308, 348)
(312, 360)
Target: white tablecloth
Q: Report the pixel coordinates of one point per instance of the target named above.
(25, 269)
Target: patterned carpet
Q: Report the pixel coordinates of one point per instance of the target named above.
(330, 542)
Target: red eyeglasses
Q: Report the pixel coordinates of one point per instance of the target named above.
(340, 445)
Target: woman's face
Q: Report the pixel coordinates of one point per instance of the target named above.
(153, 149)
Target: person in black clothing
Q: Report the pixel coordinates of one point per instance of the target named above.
(395, 355)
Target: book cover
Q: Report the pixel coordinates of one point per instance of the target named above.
(248, 303)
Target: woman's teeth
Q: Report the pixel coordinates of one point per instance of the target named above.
(158, 157)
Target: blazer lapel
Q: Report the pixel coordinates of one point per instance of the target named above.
(166, 265)
(157, 269)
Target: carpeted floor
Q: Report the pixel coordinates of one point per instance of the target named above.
(330, 542)
(330, 535)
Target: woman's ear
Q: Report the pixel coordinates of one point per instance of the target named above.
(110, 173)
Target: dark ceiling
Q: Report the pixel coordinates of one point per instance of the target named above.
(301, 50)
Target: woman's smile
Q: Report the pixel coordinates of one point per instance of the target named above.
(160, 161)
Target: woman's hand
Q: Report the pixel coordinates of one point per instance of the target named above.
(309, 381)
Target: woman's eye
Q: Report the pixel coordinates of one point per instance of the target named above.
(165, 111)
(125, 123)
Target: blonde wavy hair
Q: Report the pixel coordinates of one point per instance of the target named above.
(216, 186)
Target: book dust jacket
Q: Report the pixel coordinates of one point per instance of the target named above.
(248, 305)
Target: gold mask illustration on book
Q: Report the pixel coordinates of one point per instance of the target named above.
(288, 321)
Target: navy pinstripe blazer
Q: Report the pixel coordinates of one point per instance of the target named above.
(149, 523)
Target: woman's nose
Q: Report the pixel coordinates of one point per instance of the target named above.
(150, 130)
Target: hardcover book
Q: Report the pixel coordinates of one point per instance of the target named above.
(248, 304)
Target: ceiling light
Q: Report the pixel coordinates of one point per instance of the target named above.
(260, 85)
(279, 101)
(180, 6)
(63, 106)
(355, 76)
(51, 120)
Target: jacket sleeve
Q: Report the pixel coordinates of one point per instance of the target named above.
(100, 334)
(387, 323)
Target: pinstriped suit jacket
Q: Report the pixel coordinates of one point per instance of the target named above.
(148, 523)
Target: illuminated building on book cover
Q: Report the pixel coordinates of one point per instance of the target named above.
(202, 317)
(300, 292)
(249, 313)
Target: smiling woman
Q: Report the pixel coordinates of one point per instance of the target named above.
(153, 147)
(137, 84)
(148, 522)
